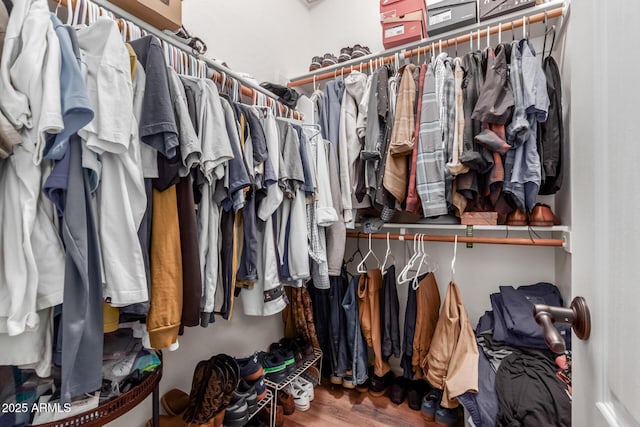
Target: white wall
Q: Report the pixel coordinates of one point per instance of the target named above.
(268, 39)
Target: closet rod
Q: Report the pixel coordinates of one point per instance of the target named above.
(559, 243)
(422, 50)
(247, 88)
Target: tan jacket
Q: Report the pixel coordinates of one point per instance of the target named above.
(396, 174)
(452, 362)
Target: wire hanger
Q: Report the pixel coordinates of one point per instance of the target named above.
(415, 284)
(357, 251)
(513, 34)
(546, 33)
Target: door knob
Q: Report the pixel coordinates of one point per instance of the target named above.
(577, 315)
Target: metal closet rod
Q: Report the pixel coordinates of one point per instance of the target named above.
(247, 88)
(422, 50)
(559, 243)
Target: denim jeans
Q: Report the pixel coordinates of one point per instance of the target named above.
(339, 349)
(321, 313)
(355, 340)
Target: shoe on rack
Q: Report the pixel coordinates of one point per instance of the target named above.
(345, 54)
(329, 59)
(265, 415)
(237, 413)
(306, 386)
(316, 63)
(300, 397)
(274, 367)
(416, 391)
(398, 392)
(348, 382)
(543, 216)
(250, 368)
(261, 388)
(312, 374)
(286, 400)
(430, 404)
(379, 385)
(517, 218)
(248, 393)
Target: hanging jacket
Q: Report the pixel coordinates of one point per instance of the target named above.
(551, 132)
(402, 138)
(452, 362)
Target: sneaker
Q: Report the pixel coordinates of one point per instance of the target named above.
(306, 386)
(430, 404)
(316, 63)
(328, 60)
(379, 385)
(261, 389)
(446, 417)
(250, 368)
(274, 367)
(360, 51)
(249, 394)
(345, 54)
(348, 382)
(300, 397)
(286, 400)
(399, 390)
(237, 414)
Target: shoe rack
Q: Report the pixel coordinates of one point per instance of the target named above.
(267, 400)
(275, 388)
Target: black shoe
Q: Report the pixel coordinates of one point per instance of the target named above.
(274, 367)
(416, 391)
(237, 414)
(379, 385)
(345, 54)
(399, 390)
(360, 51)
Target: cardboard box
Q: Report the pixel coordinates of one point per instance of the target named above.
(403, 21)
(399, 33)
(479, 218)
(492, 8)
(162, 14)
(446, 15)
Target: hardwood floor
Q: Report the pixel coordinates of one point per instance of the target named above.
(334, 406)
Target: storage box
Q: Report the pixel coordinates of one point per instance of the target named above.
(446, 15)
(492, 8)
(162, 14)
(479, 218)
(403, 21)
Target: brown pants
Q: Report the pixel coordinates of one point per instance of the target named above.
(427, 310)
(369, 294)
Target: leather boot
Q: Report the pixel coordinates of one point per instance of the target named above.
(543, 216)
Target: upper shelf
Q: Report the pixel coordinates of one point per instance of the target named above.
(550, 10)
(453, 227)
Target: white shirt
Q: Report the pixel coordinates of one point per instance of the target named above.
(113, 135)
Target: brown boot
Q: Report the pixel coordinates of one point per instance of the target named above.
(286, 400)
(175, 401)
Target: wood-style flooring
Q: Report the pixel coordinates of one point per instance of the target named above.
(335, 406)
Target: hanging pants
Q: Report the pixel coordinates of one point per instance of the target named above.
(369, 295)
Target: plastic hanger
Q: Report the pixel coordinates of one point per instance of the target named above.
(546, 33)
(513, 34)
(499, 32)
(362, 268)
(426, 261)
(402, 277)
(488, 37)
(386, 256)
(453, 261)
